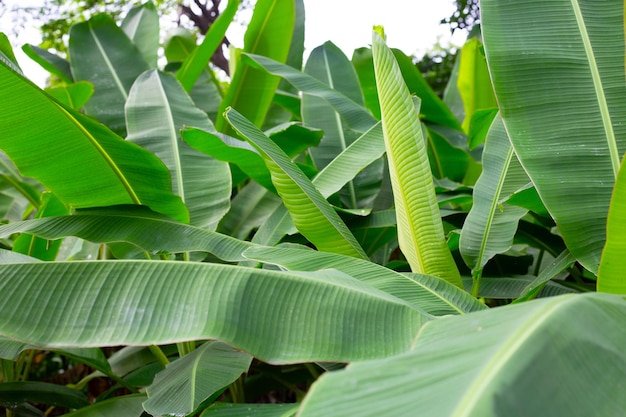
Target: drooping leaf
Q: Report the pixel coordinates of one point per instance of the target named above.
(102, 54)
(433, 295)
(354, 115)
(133, 224)
(513, 360)
(557, 70)
(72, 154)
(269, 34)
(188, 381)
(160, 302)
(420, 231)
(52, 63)
(141, 25)
(311, 213)
(156, 110)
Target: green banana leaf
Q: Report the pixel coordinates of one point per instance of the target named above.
(433, 109)
(524, 359)
(73, 95)
(560, 263)
(611, 275)
(491, 223)
(190, 380)
(311, 213)
(420, 231)
(149, 231)
(156, 110)
(355, 116)
(179, 44)
(198, 60)
(558, 70)
(72, 155)
(101, 53)
(251, 410)
(41, 248)
(328, 64)
(109, 303)
(141, 25)
(52, 63)
(473, 81)
(435, 296)
(248, 163)
(269, 34)
(126, 406)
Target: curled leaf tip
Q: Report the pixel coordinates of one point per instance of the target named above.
(380, 30)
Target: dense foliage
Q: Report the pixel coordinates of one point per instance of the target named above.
(319, 238)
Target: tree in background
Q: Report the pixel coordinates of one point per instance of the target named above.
(436, 65)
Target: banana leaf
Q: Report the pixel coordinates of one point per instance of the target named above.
(101, 53)
(311, 213)
(524, 359)
(558, 73)
(420, 231)
(72, 154)
(156, 110)
(269, 34)
(278, 317)
(141, 25)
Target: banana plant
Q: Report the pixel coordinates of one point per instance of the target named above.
(260, 280)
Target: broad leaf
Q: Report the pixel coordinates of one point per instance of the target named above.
(156, 110)
(82, 304)
(311, 213)
(141, 25)
(190, 380)
(558, 73)
(102, 54)
(611, 275)
(72, 155)
(511, 361)
(420, 231)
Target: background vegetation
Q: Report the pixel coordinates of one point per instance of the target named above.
(335, 237)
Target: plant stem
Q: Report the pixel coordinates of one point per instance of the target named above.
(29, 361)
(159, 355)
(476, 275)
(185, 348)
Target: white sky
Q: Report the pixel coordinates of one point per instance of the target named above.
(410, 25)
